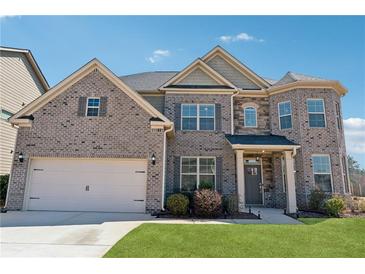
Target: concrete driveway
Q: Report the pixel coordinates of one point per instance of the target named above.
(63, 234)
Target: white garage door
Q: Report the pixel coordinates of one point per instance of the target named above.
(87, 185)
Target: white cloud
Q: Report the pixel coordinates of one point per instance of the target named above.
(239, 37)
(157, 55)
(355, 135)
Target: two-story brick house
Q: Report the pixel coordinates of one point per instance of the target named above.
(96, 142)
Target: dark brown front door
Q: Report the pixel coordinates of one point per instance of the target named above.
(253, 192)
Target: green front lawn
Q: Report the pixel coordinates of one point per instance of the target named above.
(318, 238)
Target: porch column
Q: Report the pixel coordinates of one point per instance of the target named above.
(240, 180)
(291, 199)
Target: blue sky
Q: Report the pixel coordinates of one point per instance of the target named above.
(330, 47)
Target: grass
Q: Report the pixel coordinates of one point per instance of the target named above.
(318, 238)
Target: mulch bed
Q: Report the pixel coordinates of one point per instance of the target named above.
(238, 215)
(311, 214)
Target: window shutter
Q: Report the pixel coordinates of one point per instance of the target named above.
(218, 117)
(82, 106)
(178, 116)
(176, 174)
(219, 174)
(103, 106)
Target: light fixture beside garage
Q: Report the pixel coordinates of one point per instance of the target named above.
(21, 157)
(153, 159)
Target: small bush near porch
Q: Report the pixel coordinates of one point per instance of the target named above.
(318, 238)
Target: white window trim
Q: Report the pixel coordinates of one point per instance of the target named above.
(197, 117)
(323, 173)
(291, 115)
(87, 106)
(198, 170)
(244, 114)
(324, 112)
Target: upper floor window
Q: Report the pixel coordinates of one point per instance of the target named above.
(316, 113)
(197, 116)
(93, 106)
(322, 172)
(195, 171)
(285, 119)
(338, 116)
(250, 117)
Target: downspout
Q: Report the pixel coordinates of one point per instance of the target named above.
(232, 112)
(164, 165)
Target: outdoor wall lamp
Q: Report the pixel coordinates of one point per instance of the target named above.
(21, 157)
(153, 159)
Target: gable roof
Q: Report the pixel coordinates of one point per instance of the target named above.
(291, 77)
(32, 62)
(148, 81)
(255, 78)
(75, 77)
(197, 64)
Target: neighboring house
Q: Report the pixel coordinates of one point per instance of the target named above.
(96, 142)
(21, 81)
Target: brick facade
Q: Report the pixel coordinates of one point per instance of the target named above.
(201, 143)
(58, 131)
(124, 132)
(328, 140)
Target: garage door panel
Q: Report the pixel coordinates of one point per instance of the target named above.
(87, 185)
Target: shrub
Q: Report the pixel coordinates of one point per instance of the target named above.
(362, 206)
(4, 180)
(230, 204)
(178, 204)
(207, 203)
(316, 199)
(334, 206)
(206, 185)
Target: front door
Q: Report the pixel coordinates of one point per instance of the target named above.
(253, 184)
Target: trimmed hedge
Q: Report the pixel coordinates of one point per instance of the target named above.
(334, 206)
(178, 204)
(207, 203)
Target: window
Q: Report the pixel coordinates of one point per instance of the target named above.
(198, 116)
(5, 114)
(250, 117)
(344, 172)
(322, 172)
(195, 170)
(283, 173)
(93, 106)
(338, 116)
(285, 115)
(315, 108)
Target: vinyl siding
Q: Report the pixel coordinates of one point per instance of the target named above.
(18, 85)
(231, 74)
(158, 101)
(7, 143)
(198, 77)
(18, 82)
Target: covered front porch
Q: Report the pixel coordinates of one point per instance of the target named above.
(265, 171)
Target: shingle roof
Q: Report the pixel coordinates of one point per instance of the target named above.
(200, 86)
(259, 140)
(291, 77)
(270, 81)
(147, 81)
